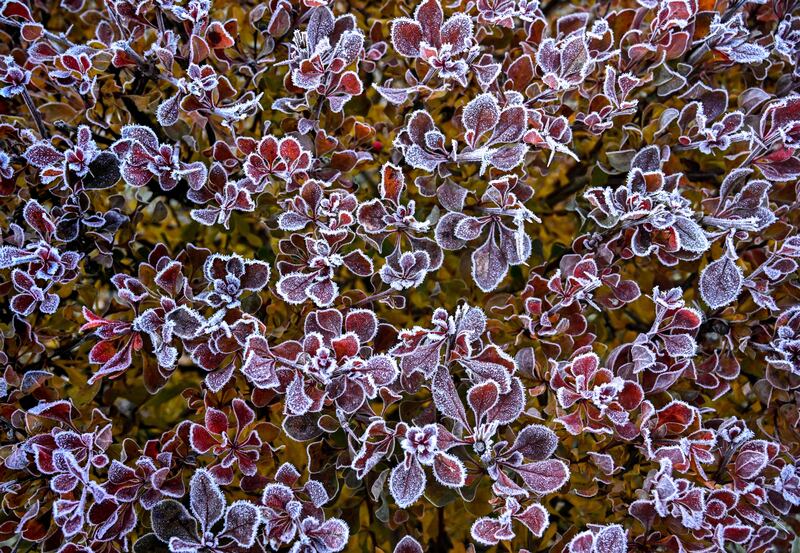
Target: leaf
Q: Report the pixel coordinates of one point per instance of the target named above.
(445, 396)
(612, 539)
(489, 265)
(205, 499)
(449, 470)
(480, 116)
(408, 545)
(720, 282)
(483, 397)
(536, 442)
(407, 483)
(543, 477)
(170, 520)
(241, 522)
(535, 517)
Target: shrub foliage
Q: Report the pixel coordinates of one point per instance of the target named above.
(314, 276)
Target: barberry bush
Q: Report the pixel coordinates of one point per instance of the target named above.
(401, 276)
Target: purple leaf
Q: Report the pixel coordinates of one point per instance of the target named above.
(489, 265)
(720, 282)
(407, 483)
(449, 470)
(480, 116)
(241, 523)
(536, 442)
(408, 545)
(535, 517)
(205, 499)
(543, 477)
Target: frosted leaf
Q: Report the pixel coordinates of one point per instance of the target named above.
(168, 111)
(37, 218)
(430, 16)
(604, 462)
(451, 196)
(42, 154)
(241, 109)
(535, 517)
(291, 221)
(208, 217)
(363, 322)
(169, 277)
(418, 158)
(680, 346)
(393, 182)
(582, 543)
(486, 71)
(511, 126)
(445, 396)
(720, 282)
(187, 323)
(317, 492)
(749, 464)
(323, 293)
(419, 124)
(483, 397)
(382, 370)
(170, 519)
(746, 53)
(406, 37)
(536, 442)
(676, 416)
(349, 46)
(407, 483)
(737, 533)
(297, 401)
(395, 96)
(647, 159)
(611, 539)
(218, 37)
(286, 474)
(686, 318)
(469, 228)
(205, 499)
(489, 266)
(449, 470)
(473, 323)
(479, 117)
(492, 364)
(292, 287)
(200, 439)
(435, 140)
(445, 231)
(489, 531)
(241, 523)
(408, 545)
(510, 157)
(692, 237)
(329, 536)
(141, 134)
(457, 31)
(543, 477)
(510, 405)
(371, 453)
(320, 25)
(359, 263)
(60, 410)
(10, 256)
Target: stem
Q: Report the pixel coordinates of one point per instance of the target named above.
(64, 41)
(376, 297)
(37, 117)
